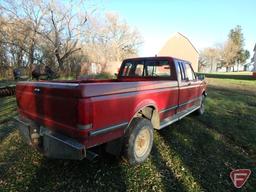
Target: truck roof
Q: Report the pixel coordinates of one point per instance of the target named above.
(155, 58)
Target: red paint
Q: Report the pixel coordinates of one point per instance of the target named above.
(102, 103)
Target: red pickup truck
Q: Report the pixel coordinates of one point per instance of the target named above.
(66, 119)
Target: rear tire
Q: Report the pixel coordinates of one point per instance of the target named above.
(138, 141)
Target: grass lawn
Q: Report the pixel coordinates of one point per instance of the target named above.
(244, 75)
(194, 154)
(233, 73)
(4, 83)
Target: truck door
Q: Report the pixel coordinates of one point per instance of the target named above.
(189, 87)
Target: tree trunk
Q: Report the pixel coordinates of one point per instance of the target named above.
(211, 65)
(19, 58)
(60, 62)
(31, 56)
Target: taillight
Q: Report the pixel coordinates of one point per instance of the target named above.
(84, 114)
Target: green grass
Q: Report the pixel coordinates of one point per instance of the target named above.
(7, 109)
(4, 83)
(233, 85)
(231, 75)
(194, 154)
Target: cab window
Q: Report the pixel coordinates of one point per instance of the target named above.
(161, 69)
(139, 70)
(127, 69)
(158, 68)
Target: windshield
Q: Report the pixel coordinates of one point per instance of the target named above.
(148, 68)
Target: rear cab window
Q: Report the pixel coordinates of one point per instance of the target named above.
(158, 68)
(161, 69)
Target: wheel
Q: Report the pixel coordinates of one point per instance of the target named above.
(201, 110)
(138, 141)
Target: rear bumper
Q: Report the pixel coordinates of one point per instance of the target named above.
(51, 144)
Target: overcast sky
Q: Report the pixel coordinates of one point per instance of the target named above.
(204, 22)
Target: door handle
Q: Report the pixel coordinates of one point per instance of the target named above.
(189, 83)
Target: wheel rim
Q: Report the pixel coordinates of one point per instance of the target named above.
(142, 142)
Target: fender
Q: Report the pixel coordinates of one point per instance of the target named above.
(143, 104)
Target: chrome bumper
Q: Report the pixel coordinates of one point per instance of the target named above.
(53, 145)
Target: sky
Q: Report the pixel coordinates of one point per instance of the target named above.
(206, 23)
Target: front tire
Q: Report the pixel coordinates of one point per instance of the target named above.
(139, 141)
(201, 110)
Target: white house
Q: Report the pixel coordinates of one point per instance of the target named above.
(254, 61)
(254, 58)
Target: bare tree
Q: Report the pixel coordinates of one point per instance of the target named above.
(211, 57)
(229, 53)
(52, 23)
(111, 40)
(62, 34)
(61, 29)
(223, 55)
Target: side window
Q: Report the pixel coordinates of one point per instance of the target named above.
(182, 73)
(188, 72)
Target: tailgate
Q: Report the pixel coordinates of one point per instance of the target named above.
(48, 103)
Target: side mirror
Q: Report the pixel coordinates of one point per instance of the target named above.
(201, 77)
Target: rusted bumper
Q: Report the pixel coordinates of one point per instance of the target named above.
(51, 144)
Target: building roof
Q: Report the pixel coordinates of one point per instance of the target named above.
(155, 58)
(183, 36)
(189, 41)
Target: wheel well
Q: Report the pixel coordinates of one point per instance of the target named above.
(150, 113)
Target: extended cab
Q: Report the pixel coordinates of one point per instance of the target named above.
(65, 119)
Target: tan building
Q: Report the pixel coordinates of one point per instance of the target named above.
(180, 46)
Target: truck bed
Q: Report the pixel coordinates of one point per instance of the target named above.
(60, 105)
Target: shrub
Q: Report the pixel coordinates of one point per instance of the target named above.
(98, 76)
